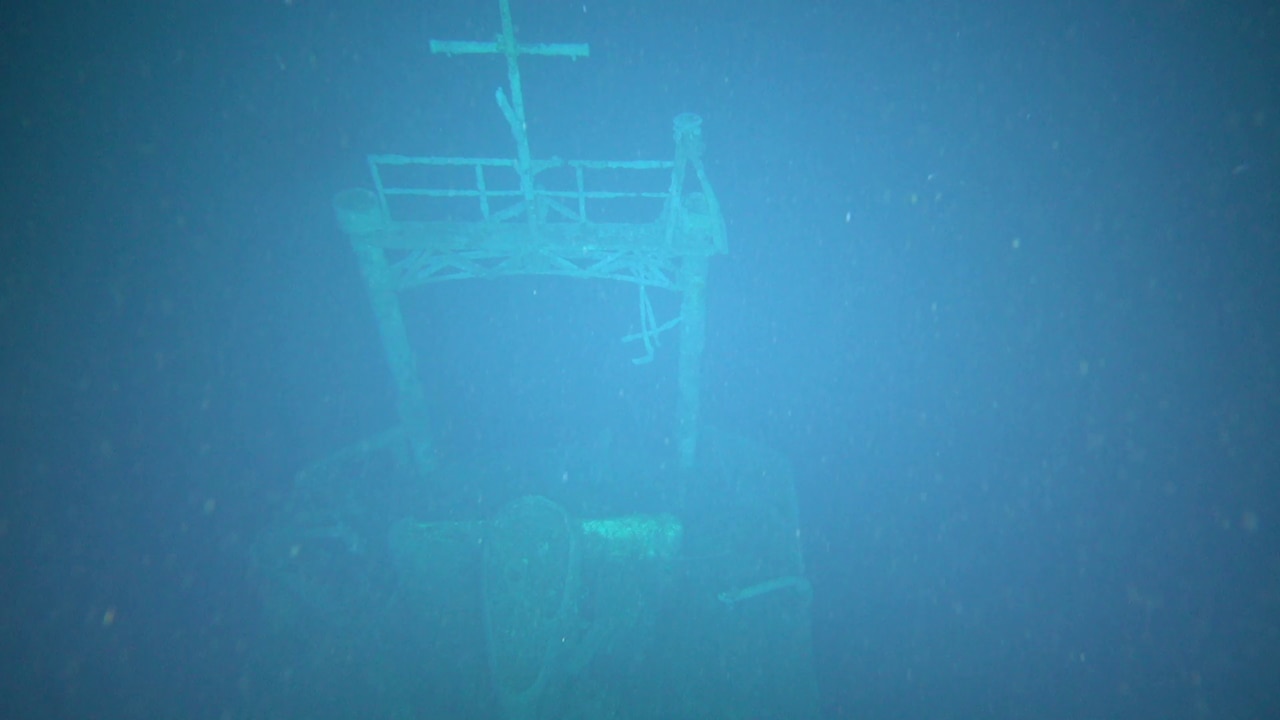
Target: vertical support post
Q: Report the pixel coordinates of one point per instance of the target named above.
(693, 300)
(361, 216)
(693, 338)
(411, 403)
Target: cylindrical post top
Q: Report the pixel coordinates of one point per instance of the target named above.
(688, 131)
(358, 211)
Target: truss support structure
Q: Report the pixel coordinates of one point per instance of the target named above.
(653, 223)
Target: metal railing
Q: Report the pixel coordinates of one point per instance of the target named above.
(497, 192)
